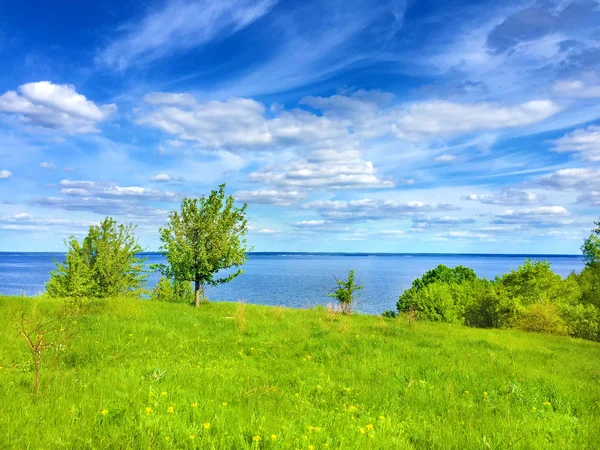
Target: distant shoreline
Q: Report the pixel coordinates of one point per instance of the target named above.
(384, 254)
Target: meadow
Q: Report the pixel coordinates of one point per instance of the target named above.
(143, 374)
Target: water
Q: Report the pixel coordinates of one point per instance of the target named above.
(299, 280)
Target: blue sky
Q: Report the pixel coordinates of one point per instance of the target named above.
(362, 126)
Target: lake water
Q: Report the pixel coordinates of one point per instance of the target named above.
(299, 280)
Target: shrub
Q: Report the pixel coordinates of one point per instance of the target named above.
(589, 284)
(438, 302)
(174, 291)
(488, 305)
(582, 321)
(346, 293)
(103, 265)
(533, 282)
(542, 318)
(390, 313)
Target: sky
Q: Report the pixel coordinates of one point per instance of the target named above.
(346, 126)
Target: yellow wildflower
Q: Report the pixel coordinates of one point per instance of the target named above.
(534, 409)
(372, 435)
(485, 394)
(167, 438)
(370, 427)
(192, 436)
(224, 403)
(163, 393)
(547, 403)
(297, 395)
(256, 438)
(206, 425)
(352, 408)
(466, 392)
(194, 405)
(382, 418)
(148, 410)
(319, 387)
(104, 412)
(273, 437)
(311, 447)
(362, 430)
(171, 409)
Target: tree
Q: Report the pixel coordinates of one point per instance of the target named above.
(345, 292)
(206, 236)
(445, 274)
(105, 264)
(591, 247)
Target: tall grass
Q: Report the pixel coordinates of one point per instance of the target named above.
(140, 374)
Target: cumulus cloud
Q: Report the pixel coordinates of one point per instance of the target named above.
(178, 26)
(161, 177)
(584, 141)
(5, 174)
(103, 206)
(445, 221)
(83, 188)
(583, 179)
(55, 106)
(507, 197)
(441, 118)
(324, 168)
(590, 198)
(538, 217)
(47, 165)
(367, 209)
(577, 88)
(270, 196)
(28, 222)
(445, 158)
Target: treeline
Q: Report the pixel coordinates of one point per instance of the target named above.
(530, 298)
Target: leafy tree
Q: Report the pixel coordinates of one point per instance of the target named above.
(206, 236)
(591, 247)
(345, 293)
(104, 264)
(444, 274)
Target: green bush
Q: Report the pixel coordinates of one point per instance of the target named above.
(589, 284)
(446, 275)
(489, 306)
(533, 282)
(542, 318)
(173, 291)
(582, 321)
(104, 264)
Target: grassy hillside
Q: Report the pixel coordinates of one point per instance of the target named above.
(141, 374)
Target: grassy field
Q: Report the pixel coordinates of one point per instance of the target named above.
(140, 374)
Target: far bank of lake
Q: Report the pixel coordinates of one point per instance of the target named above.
(300, 279)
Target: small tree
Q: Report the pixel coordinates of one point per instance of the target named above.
(591, 247)
(345, 293)
(207, 235)
(104, 264)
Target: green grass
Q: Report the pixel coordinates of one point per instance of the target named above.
(294, 379)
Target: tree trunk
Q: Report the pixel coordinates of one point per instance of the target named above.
(197, 292)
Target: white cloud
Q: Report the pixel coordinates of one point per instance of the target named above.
(82, 188)
(367, 209)
(324, 169)
(585, 142)
(161, 177)
(583, 179)
(591, 198)
(181, 25)
(507, 197)
(577, 88)
(440, 118)
(467, 235)
(270, 196)
(392, 233)
(445, 158)
(538, 217)
(5, 174)
(55, 106)
(27, 222)
(47, 165)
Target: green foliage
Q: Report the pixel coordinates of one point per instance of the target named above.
(346, 292)
(591, 247)
(489, 306)
(542, 318)
(533, 282)
(589, 284)
(306, 380)
(436, 302)
(206, 236)
(583, 321)
(104, 264)
(446, 275)
(390, 314)
(173, 291)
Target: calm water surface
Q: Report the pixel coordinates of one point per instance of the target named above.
(299, 280)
